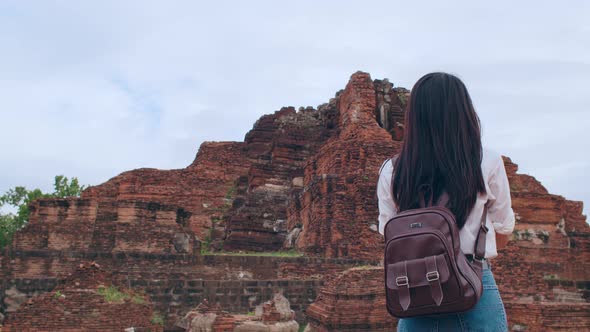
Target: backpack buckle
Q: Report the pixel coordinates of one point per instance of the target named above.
(479, 259)
(432, 276)
(401, 281)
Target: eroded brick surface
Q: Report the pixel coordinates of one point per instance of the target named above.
(78, 304)
(302, 179)
(544, 267)
(272, 315)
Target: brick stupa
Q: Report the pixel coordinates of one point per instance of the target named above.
(301, 180)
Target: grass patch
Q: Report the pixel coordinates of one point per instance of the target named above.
(284, 253)
(137, 299)
(230, 192)
(157, 319)
(302, 327)
(206, 243)
(364, 267)
(112, 294)
(251, 313)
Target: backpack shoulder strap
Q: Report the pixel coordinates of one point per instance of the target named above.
(480, 242)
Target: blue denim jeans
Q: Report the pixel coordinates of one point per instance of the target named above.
(487, 315)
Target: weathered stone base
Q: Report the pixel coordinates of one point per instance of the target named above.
(548, 316)
(177, 283)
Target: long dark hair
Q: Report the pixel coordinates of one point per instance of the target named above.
(442, 146)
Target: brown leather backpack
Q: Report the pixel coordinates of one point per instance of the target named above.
(426, 273)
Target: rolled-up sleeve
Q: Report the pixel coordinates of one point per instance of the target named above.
(500, 205)
(387, 208)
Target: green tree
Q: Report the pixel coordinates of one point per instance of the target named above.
(63, 188)
(7, 228)
(20, 198)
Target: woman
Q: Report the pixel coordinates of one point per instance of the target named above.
(442, 148)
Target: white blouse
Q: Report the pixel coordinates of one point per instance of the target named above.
(500, 216)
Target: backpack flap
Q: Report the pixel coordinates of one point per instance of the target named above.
(416, 272)
(428, 271)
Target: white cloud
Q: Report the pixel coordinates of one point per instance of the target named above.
(93, 89)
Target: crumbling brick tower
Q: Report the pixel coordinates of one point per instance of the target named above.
(301, 179)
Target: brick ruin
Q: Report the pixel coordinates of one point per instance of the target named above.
(543, 274)
(81, 300)
(302, 180)
(274, 315)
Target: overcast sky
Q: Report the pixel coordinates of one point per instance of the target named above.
(91, 89)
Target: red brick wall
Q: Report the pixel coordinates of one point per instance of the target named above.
(308, 172)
